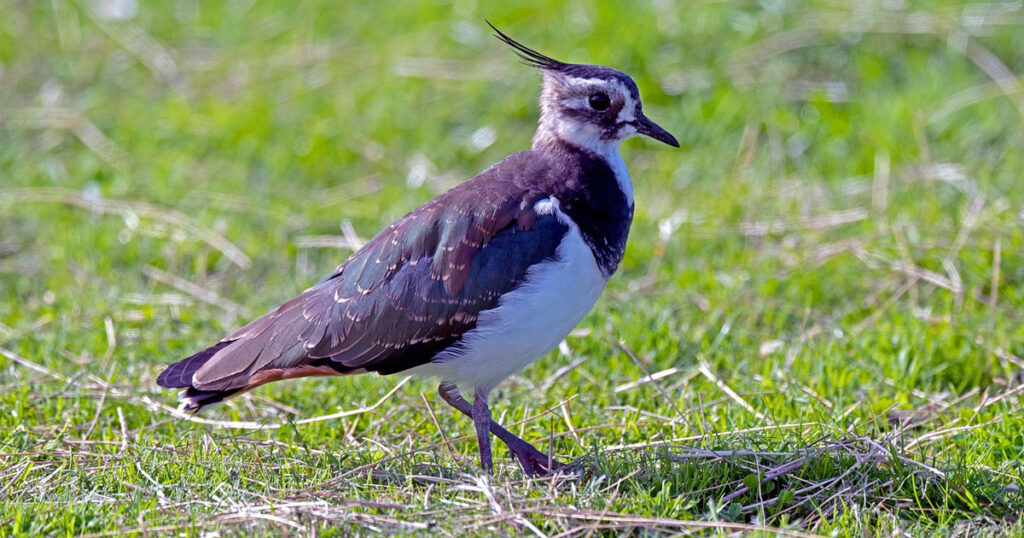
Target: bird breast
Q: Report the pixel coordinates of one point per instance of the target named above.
(530, 320)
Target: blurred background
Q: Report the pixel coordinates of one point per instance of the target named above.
(837, 246)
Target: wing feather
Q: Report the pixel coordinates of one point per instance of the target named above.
(411, 291)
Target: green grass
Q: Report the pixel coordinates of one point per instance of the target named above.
(828, 277)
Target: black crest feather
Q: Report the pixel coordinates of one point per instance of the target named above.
(526, 54)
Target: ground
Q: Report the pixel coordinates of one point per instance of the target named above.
(816, 328)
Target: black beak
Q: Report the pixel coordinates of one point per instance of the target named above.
(647, 127)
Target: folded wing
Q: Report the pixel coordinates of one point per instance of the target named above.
(412, 291)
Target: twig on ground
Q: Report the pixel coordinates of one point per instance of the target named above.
(31, 365)
(205, 295)
(705, 369)
(816, 222)
(361, 410)
(447, 443)
(130, 210)
(680, 416)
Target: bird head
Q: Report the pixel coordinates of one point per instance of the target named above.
(590, 106)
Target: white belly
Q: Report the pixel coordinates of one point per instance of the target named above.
(528, 322)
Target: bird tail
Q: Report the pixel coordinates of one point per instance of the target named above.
(182, 375)
(179, 375)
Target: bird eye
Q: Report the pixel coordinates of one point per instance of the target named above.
(599, 101)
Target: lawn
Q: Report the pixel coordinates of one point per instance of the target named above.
(817, 328)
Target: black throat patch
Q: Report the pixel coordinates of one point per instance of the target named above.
(588, 191)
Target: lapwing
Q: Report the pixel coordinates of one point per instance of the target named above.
(472, 286)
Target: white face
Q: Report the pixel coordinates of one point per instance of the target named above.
(589, 106)
(593, 113)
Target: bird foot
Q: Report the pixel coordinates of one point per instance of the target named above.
(533, 461)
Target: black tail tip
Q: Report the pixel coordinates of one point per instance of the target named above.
(194, 400)
(179, 374)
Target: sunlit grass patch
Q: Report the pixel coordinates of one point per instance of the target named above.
(816, 329)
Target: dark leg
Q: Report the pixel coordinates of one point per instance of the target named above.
(533, 461)
(482, 420)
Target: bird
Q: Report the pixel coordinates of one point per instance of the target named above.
(472, 286)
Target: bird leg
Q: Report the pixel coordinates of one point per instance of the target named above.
(482, 420)
(533, 461)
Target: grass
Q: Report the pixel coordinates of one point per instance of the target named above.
(817, 328)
